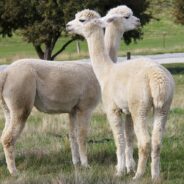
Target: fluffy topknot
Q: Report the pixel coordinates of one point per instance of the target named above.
(90, 14)
(122, 9)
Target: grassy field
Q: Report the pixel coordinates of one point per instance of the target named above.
(43, 153)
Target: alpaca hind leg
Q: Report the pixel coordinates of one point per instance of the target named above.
(73, 138)
(7, 117)
(19, 98)
(83, 118)
(160, 118)
(129, 138)
(143, 138)
(9, 138)
(114, 118)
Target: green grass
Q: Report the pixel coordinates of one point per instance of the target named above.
(43, 152)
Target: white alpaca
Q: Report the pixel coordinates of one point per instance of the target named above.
(132, 87)
(52, 87)
(120, 20)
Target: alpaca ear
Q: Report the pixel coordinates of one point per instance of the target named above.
(101, 22)
(110, 18)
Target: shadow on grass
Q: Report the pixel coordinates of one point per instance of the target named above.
(175, 68)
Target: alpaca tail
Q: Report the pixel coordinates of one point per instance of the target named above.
(162, 86)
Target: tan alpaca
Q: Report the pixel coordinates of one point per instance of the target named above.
(52, 87)
(132, 87)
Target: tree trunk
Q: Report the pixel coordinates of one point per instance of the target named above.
(47, 53)
(39, 51)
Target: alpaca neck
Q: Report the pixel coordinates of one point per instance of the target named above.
(112, 41)
(100, 59)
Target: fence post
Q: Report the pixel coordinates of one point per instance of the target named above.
(128, 55)
(78, 47)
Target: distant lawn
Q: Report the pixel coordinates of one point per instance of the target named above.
(152, 43)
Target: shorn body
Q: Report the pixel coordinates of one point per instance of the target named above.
(133, 87)
(52, 87)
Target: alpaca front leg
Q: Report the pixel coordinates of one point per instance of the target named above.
(129, 138)
(114, 118)
(73, 138)
(83, 118)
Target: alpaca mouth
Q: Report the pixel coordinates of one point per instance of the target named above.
(138, 24)
(69, 29)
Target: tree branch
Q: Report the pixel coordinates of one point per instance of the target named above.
(63, 48)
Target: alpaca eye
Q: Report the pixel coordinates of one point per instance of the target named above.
(127, 17)
(82, 20)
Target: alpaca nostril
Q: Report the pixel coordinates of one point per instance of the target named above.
(68, 27)
(138, 22)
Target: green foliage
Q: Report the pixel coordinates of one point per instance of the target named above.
(179, 11)
(43, 22)
(6, 27)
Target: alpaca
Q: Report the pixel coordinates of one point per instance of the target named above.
(52, 87)
(133, 88)
(113, 33)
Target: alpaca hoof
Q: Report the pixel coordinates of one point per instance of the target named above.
(156, 180)
(131, 168)
(86, 166)
(15, 173)
(77, 165)
(137, 176)
(120, 172)
(76, 162)
(131, 172)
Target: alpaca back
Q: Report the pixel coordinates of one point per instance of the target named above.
(61, 86)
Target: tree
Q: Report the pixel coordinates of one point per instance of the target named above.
(42, 22)
(179, 11)
(6, 27)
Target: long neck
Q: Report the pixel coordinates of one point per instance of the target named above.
(112, 41)
(101, 61)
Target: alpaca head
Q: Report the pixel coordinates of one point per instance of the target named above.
(85, 23)
(122, 17)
